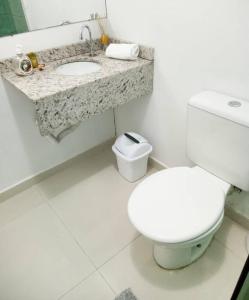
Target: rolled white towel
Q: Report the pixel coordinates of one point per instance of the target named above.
(123, 51)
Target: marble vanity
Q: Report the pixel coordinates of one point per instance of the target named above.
(62, 102)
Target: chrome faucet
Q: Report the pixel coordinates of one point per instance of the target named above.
(90, 41)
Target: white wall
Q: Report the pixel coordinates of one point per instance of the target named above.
(199, 45)
(23, 152)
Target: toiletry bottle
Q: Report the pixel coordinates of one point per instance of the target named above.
(33, 57)
(22, 64)
(104, 40)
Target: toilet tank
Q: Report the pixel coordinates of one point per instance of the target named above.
(218, 136)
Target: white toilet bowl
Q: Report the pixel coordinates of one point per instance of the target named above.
(180, 209)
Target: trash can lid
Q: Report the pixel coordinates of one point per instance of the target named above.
(132, 145)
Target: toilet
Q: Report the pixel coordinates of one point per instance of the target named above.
(180, 209)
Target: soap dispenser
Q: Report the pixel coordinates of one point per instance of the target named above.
(22, 64)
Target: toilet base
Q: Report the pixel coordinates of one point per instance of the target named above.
(175, 256)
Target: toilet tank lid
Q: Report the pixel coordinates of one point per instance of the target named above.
(224, 106)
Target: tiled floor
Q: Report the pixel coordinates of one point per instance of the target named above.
(69, 238)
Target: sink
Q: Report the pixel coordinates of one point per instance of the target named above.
(78, 68)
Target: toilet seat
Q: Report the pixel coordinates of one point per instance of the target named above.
(176, 205)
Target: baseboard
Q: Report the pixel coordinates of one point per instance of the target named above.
(238, 218)
(28, 182)
(157, 164)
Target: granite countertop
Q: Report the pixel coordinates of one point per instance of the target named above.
(44, 84)
(61, 102)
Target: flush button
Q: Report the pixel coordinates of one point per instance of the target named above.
(234, 103)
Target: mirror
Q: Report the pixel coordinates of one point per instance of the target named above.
(18, 16)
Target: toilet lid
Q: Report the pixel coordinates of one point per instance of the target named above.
(175, 205)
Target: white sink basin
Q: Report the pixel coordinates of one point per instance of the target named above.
(78, 68)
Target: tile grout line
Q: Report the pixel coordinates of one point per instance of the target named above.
(102, 275)
(46, 201)
(72, 235)
(82, 249)
(97, 269)
(77, 284)
(107, 283)
(116, 254)
(74, 238)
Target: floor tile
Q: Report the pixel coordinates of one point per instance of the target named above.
(213, 276)
(233, 236)
(38, 258)
(93, 288)
(95, 209)
(19, 204)
(80, 170)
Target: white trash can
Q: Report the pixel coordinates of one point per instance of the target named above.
(132, 152)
